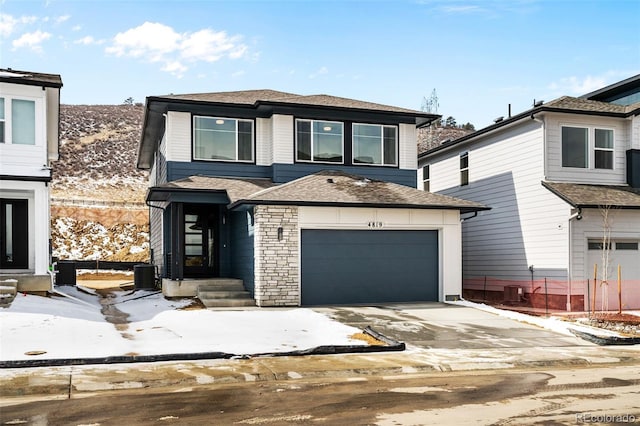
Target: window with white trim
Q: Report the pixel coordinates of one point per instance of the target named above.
(426, 178)
(578, 141)
(603, 149)
(464, 169)
(575, 147)
(2, 125)
(222, 139)
(375, 144)
(17, 121)
(319, 141)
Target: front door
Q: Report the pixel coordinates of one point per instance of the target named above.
(14, 234)
(200, 241)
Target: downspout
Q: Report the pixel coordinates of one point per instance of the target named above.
(544, 144)
(577, 216)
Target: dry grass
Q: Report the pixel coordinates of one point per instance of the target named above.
(367, 338)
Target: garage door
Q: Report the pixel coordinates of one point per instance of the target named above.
(350, 267)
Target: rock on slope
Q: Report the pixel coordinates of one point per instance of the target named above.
(98, 209)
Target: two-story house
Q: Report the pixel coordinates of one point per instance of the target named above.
(563, 183)
(29, 122)
(304, 200)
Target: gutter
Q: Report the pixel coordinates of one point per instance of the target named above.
(512, 120)
(462, 209)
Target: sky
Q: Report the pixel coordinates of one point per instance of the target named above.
(478, 57)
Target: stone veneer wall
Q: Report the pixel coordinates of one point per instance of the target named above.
(276, 262)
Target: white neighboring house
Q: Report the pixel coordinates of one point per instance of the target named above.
(549, 174)
(29, 124)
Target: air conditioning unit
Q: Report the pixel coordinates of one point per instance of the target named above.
(513, 293)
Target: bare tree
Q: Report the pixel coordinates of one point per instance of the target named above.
(605, 266)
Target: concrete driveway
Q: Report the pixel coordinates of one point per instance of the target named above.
(445, 326)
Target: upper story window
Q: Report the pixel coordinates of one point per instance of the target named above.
(375, 144)
(319, 141)
(223, 139)
(2, 125)
(426, 178)
(464, 169)
(17, 121)
(576, 145)
(603, 153)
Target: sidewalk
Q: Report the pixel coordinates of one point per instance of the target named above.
(22, 384)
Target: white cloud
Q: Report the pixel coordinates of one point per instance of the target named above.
(461, 9)
(76, 28)
(9, 24)
(155, 42)
(582, 85)
(31, 40)
(88, 40)
(175, 68)
(61, 19)
(321, 71)
(149, 40)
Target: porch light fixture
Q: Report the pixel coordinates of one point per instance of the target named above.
(327, 128)
(280, 232)
(219, 121)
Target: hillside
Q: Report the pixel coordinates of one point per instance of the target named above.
(98, 145)
(97, 207)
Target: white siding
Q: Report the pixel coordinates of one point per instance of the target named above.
(25, 160)
(37, 194)
(52, 114)
(527, 224)
(621, 134)
(408, 147)
(264, 141)
(635, 132)
(283, 144)
(178, 134)
(625, 224)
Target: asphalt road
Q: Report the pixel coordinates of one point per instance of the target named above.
(547, 396)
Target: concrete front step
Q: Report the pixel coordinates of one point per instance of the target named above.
(222, 286)
(227, 303)
(224, 293)
(208, 294)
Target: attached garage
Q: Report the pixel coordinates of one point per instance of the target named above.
(368, 266)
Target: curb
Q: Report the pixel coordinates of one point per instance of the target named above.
(606, 340)
(390, 345)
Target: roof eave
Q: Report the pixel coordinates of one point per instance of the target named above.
(250, 202)
(512, 120)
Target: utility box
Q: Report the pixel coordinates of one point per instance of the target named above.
(66, 272)
(512, 293)
(144, 276)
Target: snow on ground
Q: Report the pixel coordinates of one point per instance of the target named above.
(73, 327)
(550, 323)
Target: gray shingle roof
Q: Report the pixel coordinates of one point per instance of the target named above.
(578, 104)
(326, 188)
(8, 75)
(337, 188)
(250, 97)
(565, 104)
(582, 195)
(244, 97)
(236, 188)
